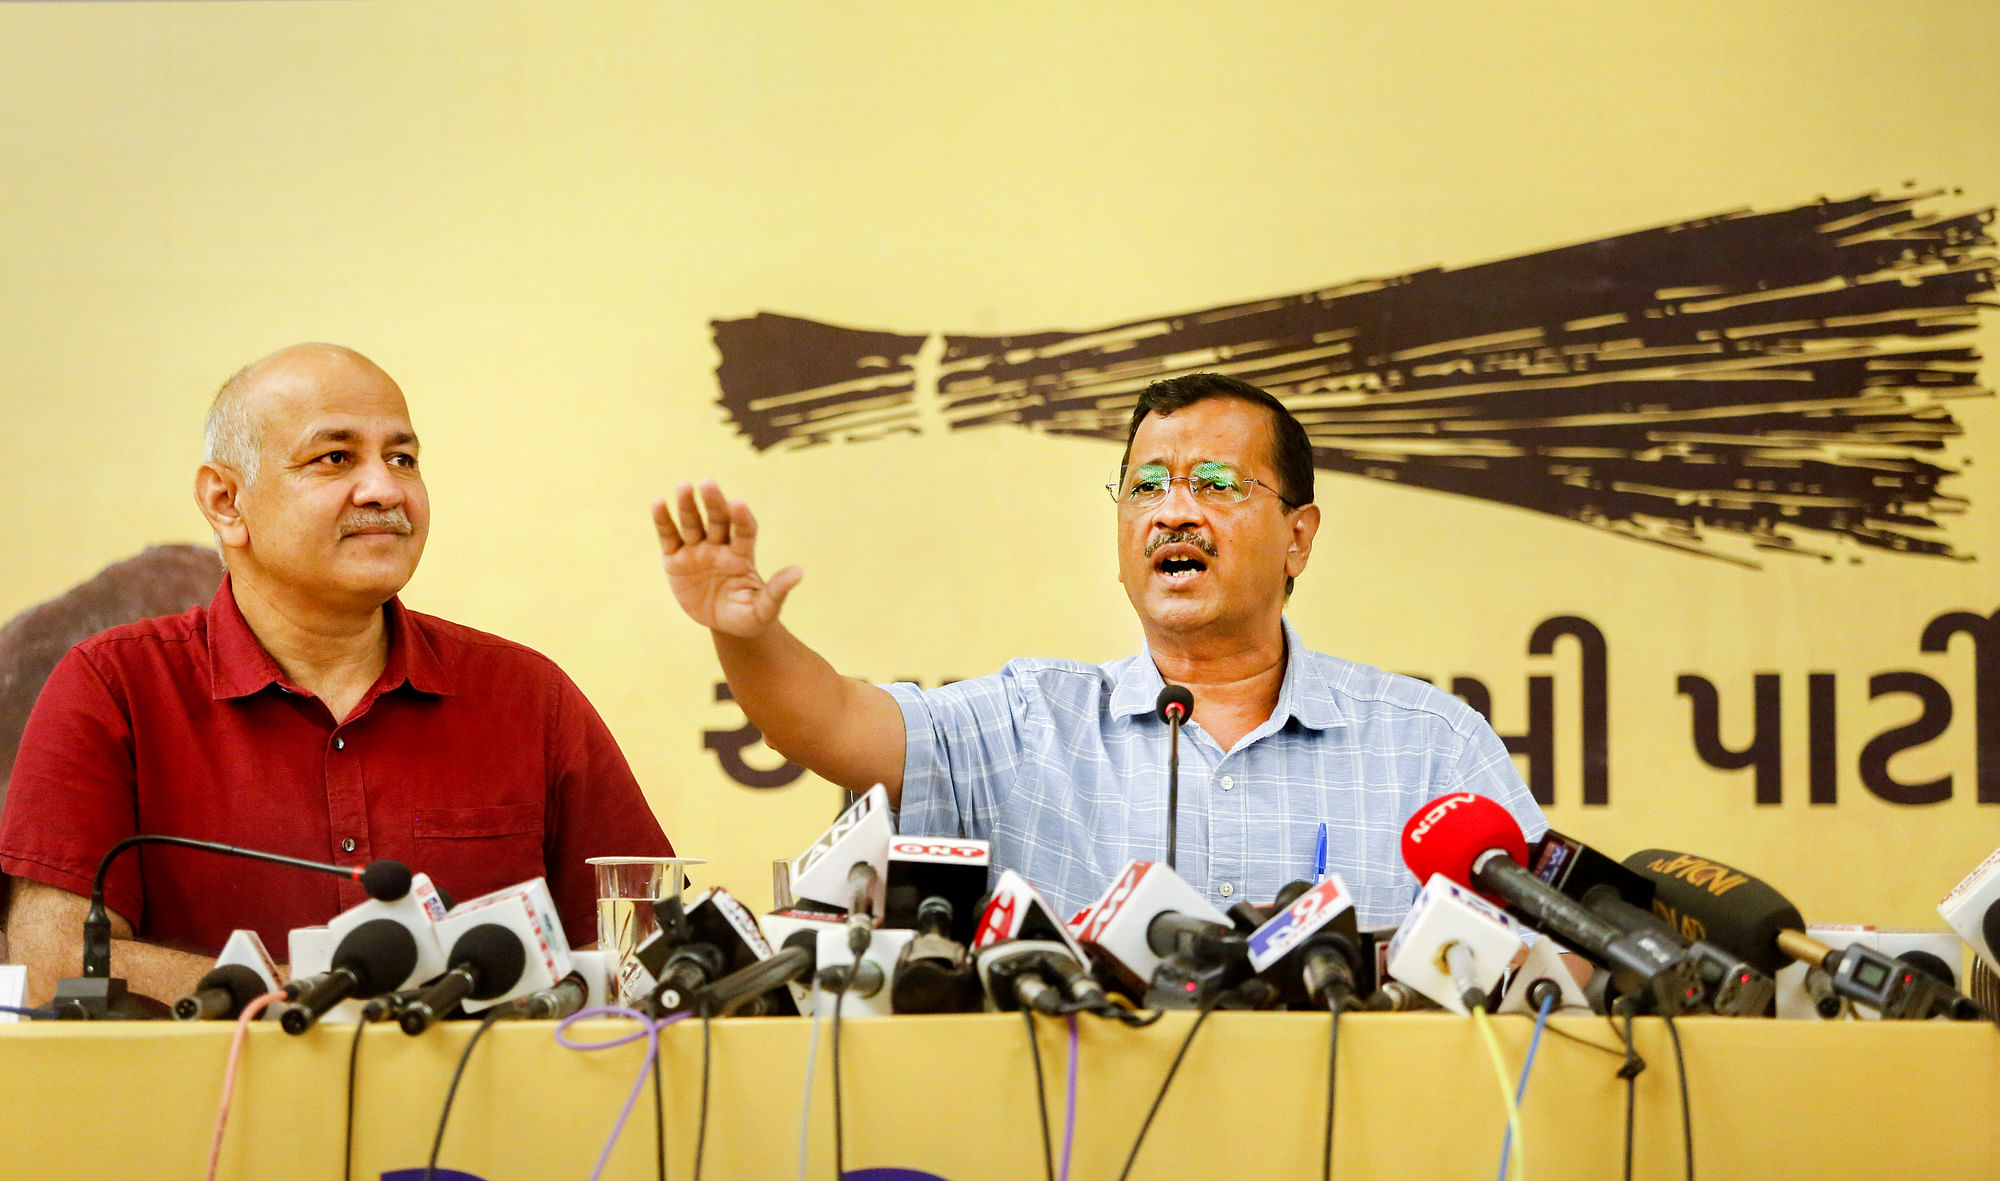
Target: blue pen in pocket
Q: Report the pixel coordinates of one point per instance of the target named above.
(1319, 855)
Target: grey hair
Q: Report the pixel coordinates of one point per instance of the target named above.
(233, 435)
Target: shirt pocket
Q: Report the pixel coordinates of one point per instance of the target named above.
(474, 851)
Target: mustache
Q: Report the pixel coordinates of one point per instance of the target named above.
(1181, 537)
(393, 519)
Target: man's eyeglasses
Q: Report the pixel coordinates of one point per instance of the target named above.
(1211, 482)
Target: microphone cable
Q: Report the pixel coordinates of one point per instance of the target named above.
(812, 1057)
(1630, 1073)
(1332, 1065)
(250, 1012)
(1516, 1139)
(1527, 1064)
(701, 1125)
(839, 1143)
(437, 1142)
(1069, 1104)
(649, 1030)
(1680, 1073)
(1041, 1095)
(32, 1014)
(660, 1113)
(347, 1141)
(1161, 1097)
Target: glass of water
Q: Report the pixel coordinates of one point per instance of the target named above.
(627, 888)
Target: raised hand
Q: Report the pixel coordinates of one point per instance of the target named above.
(712, 563)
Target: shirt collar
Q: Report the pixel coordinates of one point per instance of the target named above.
(239, 666)
(1304, 695)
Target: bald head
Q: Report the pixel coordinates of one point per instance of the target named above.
(234, 433)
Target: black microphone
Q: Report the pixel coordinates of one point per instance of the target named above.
(243, 972)
(97, 995)
(1174, 705)
(796, 961)
(486, 961)
(1624, 898)
(1731, 908)
(373, 958)
(934, 974)
(1471, 840)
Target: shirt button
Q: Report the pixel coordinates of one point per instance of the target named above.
(340, 744)
(1227, 783)
(1225, 889)
(347, 846)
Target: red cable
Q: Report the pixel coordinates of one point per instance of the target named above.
(250, 1012)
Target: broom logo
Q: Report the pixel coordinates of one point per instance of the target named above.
(1729, 386)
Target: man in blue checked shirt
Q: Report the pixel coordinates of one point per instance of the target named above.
(1062, 766)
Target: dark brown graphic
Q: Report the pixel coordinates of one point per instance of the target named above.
(1740, 382)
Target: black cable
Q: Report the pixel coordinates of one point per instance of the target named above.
(37, 1014)
(839, 1141)
(353, 1053)
(485, 1023)
(659, 1116)
(1332, 1063)
(1161, 1097)
(1584, 1041)
(1041, 1094)
(1687, 1122)
(701, 1125)
(1631, 1077)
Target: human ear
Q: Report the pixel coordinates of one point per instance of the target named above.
(218, 492)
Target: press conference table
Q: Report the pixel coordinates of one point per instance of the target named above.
(954, 1097)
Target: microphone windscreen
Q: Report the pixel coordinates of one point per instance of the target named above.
(496, 953)
(380, 951)
(1446, 835)
(1170, 697)
(386, 880)
(1708, 900)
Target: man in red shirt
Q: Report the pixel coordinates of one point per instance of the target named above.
(304, 711)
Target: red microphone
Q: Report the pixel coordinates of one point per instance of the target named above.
(1447, 835)
(1475, 842)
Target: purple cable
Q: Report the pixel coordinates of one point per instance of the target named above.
(1069, 1112)
(650, 1031)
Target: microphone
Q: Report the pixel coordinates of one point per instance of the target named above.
(1752, 919)
(1542, 973)
(1623, 898)
(714, 936)
(845, 866)
(1149, 913)
(97, 995)
(1397, 997)
(922, 868)
(738, 990)
(503, 944)
(1311, 950)
(545, 1004)
(1972, 909)
(242, 973)
(1453, 946)
(1174, 706)
(378, 946)
(1473, 841)
(934, 974)
(1027, 958)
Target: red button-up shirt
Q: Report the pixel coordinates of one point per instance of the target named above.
(472, 759)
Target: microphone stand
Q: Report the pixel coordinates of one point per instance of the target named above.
(1174, 704)
(97, 994)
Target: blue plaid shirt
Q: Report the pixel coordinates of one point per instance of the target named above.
(1062, 766)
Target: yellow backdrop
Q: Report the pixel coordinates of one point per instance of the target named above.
(531, 213)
